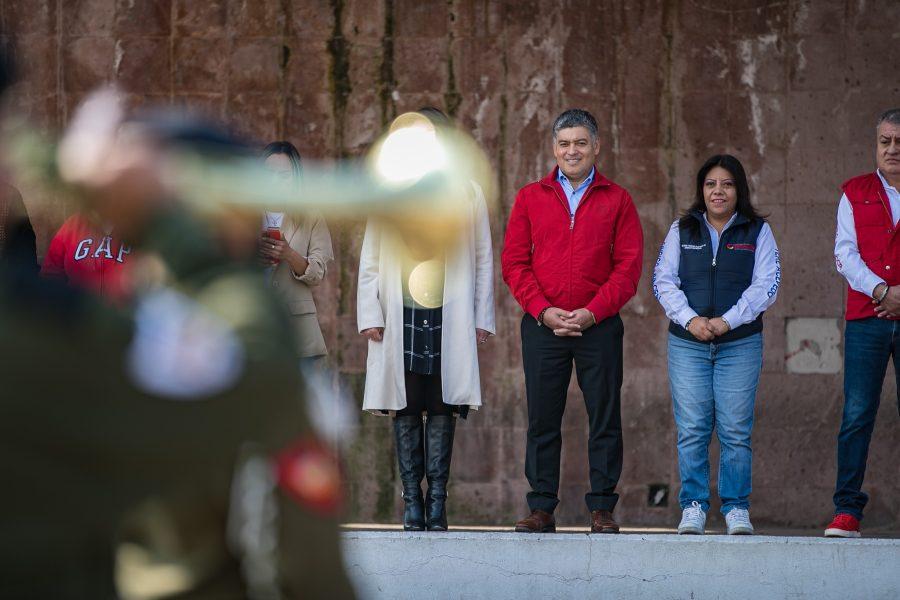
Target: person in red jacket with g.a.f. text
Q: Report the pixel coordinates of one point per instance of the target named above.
(572, 259)
(85, 256)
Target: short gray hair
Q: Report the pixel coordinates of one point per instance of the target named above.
(576, 117)
(892, 116)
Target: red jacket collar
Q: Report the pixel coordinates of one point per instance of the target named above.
(599, 180)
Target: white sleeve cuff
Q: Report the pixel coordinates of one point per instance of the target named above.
(686, 315)
(373, 324)
(870, 281)
(733, 317)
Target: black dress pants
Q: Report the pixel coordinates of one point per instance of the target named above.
(548, 359)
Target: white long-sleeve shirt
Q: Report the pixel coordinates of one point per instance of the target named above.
(759, 296)
(847, 259)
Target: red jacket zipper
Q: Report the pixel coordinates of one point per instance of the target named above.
(887, 210)
(571, 214)
(572, 233)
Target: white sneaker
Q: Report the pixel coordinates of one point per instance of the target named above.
(738, 522)
(693, 519)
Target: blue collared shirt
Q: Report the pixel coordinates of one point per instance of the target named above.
(574, 195)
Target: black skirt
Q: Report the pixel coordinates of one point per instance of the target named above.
(422, 344)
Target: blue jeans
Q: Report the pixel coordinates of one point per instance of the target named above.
(714, 385)
(868, 344)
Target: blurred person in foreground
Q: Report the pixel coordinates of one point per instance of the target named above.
(425, 314)
(193, 394)
(867, 254)
(572, 259)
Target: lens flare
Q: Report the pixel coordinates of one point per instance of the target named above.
(408, 154)
(426, 283)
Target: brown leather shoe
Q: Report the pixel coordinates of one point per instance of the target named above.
(537, 522)
(602, 522)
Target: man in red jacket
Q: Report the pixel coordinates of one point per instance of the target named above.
(572, 259)
(867, 254)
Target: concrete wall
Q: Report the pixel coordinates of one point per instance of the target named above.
(790, 87)
(500, 566)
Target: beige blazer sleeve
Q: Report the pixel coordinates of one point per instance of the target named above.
(318, 253)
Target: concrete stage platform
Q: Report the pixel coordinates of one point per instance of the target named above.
(638, 564)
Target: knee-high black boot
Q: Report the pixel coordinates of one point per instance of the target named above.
(438, 450)
(411, 459)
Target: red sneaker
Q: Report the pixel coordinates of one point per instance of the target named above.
(843, 525)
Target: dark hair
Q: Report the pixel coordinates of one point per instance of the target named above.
(733, 166)
(892, 116)
(289, 150)
(437, 117)
(576, 117)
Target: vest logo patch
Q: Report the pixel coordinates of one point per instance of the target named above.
(693, 246)
(744, 247)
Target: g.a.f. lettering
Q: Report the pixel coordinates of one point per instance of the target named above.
(104, 250)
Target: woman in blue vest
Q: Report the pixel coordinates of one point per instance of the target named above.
(717, 271)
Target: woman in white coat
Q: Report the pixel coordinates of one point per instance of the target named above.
(424, 317)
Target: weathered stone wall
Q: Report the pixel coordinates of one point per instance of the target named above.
(791, 87)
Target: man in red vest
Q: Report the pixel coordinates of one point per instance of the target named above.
(867, 254)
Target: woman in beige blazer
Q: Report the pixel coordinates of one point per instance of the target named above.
(297, 250)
